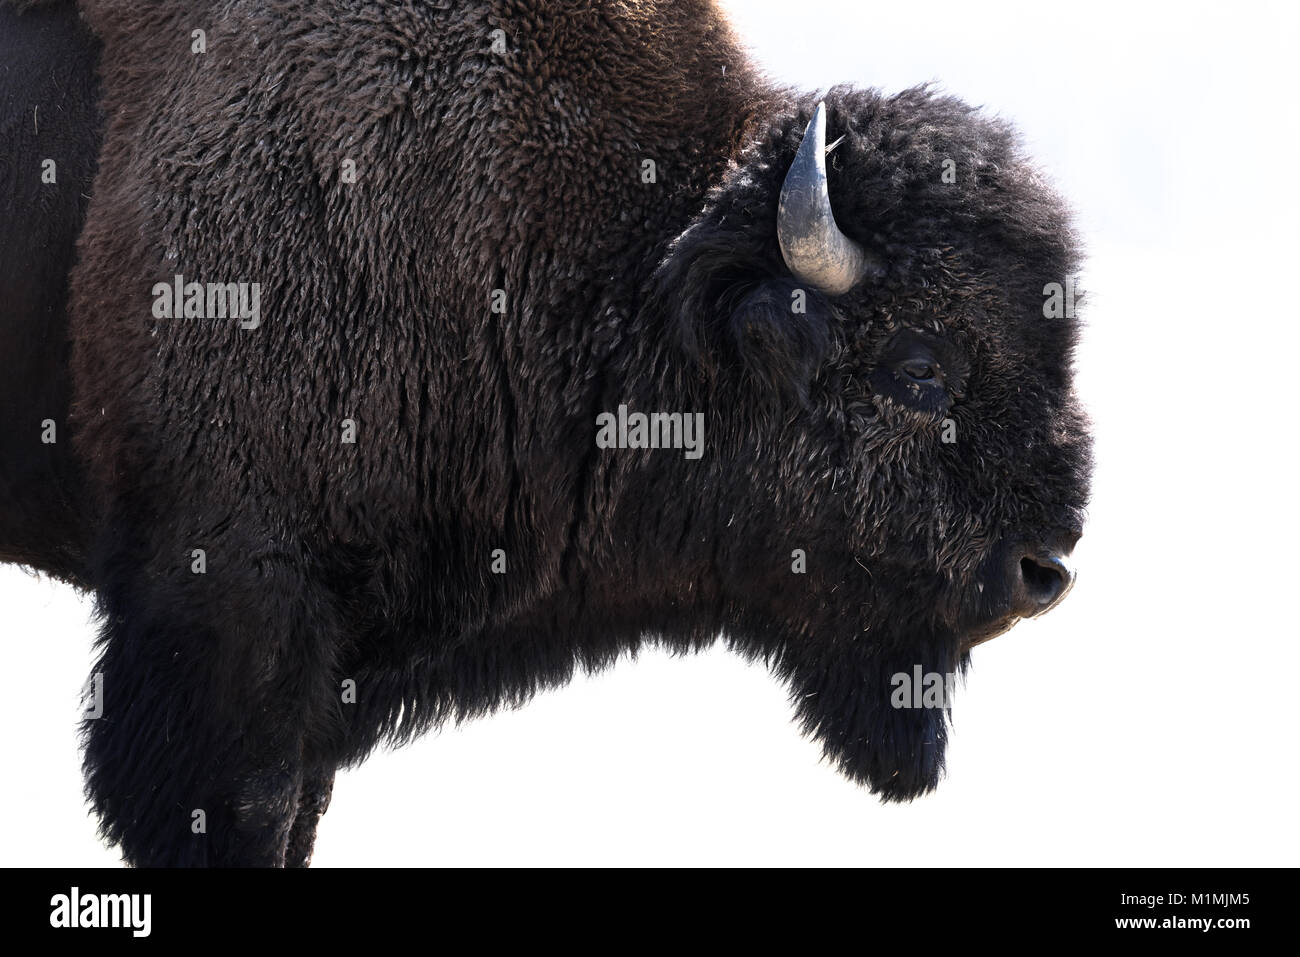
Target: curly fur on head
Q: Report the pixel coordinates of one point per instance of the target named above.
(831, 529)
(907, 535)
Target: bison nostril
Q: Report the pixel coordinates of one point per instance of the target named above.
(1043, 583)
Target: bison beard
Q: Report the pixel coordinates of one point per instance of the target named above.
(509, 167)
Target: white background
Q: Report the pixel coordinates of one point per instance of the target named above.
(1148, 720)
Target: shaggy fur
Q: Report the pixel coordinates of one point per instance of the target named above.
(520, 171)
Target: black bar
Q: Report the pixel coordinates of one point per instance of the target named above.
(330, 907)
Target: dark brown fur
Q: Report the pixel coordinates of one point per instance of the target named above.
(478, 170)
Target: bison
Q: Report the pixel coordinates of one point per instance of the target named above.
(377, 365)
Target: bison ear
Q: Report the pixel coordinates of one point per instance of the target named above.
(780, 334)
(726, 310)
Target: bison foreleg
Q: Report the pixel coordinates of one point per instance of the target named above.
(313, 801)
(216, 683)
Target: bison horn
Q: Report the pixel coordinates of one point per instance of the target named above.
(812, 245)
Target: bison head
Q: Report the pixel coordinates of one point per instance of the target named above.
(884, 330)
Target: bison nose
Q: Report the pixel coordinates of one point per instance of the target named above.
(1039, 583)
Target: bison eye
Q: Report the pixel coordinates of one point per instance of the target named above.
(919, 370)
(910, 373)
